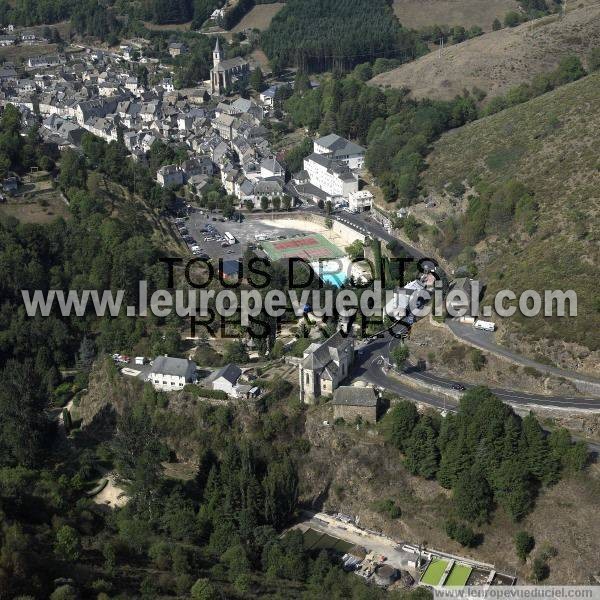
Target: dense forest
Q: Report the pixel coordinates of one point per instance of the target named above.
(316, 35)
(35, 12)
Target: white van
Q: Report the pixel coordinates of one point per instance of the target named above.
(140, 360)
(484, 325)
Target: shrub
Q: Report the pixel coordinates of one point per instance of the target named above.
(203, 589)
(524, 544)
(388, 507)
(539, 570)
(460, 533)
(512, 19)
(593, 60)
(478, 359)
(201, 392)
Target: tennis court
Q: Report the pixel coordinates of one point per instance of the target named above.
(434, 572)
(458, 576)
(309, 247)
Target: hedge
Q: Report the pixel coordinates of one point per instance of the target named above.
(205, 392)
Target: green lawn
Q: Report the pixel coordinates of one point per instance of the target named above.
(316, 540)
(434, 571)
(458, 576)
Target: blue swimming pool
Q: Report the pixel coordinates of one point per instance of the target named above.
(336, 279)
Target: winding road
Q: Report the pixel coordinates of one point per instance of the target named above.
(373, 356)
(370, 367)
(588, 385)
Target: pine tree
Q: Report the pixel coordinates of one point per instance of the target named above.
(422, 455)
(473, 496)
(513, 488)
(400, 423)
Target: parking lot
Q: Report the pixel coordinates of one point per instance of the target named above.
(207, 231)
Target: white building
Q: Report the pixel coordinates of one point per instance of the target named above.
(225, 379)
(269, 167)
(171, 374)
(359, 201)
(330, 176)
(399, 304)
(341, 150)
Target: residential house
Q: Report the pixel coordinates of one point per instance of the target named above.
(224, 379)
(224, 125)
(171, 374)
(269, 167)
(200, 165)
(360, 201)
(177, 48)
(169, 176)
(460, 294)
(341, 150)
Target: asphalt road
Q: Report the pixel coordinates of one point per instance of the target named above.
(486, 341)
(370, 367)
(372, 356)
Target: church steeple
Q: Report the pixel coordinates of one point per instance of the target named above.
(216, 54)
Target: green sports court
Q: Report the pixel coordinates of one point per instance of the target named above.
(310, 247)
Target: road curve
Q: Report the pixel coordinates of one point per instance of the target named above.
(367, 368)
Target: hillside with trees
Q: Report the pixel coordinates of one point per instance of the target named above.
(530, 218)
(317, 35)
(468, 482)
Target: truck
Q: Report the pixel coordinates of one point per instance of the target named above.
(140, 360)
(484, 325)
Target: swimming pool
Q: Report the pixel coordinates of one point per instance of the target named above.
(336, 279)
(334, 272)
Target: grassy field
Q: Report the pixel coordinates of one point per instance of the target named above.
(19, 53)
(501, 59)
(550, 145)
(43, 208)
(434, 571)
(259, 17)
(316, 540)
(458, 576)
(420, 13)
(36, 201)
(168, 27)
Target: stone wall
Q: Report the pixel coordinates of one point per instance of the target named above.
(349, 413)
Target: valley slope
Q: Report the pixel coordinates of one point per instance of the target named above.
(549, 144)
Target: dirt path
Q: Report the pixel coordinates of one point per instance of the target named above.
(112, 495)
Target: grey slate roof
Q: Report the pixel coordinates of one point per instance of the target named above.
(230, 372)
(354, 396)
(166, 365)
(339, 146)
(319, 356)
